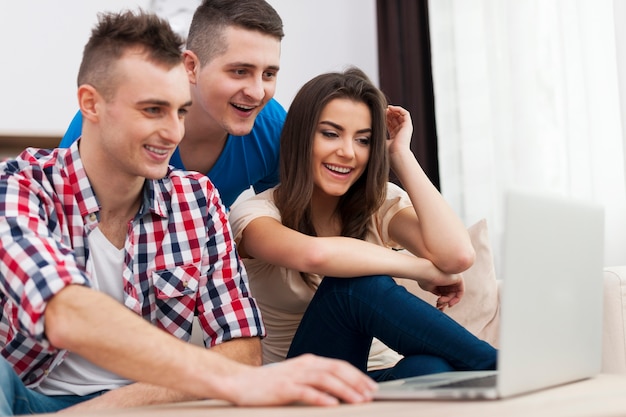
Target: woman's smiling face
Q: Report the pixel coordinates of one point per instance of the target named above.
(341, 146)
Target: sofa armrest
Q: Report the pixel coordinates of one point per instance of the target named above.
(614, 323)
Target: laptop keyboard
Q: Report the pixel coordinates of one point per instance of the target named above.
(479, 382)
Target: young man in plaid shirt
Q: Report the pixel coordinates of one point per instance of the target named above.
(106, 253)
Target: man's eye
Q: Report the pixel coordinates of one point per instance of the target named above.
(153, 110)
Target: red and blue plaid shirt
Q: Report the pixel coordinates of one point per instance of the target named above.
(180, 258)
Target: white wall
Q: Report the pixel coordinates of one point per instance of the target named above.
(322, 36)
(41, 44)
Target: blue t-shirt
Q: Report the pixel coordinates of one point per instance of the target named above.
(250, 160)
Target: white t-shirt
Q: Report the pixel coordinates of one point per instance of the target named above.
(76, 375)
(281, 293)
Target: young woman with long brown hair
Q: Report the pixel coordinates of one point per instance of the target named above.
(318, 248)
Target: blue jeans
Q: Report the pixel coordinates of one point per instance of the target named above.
(345, 314)
(16, 399)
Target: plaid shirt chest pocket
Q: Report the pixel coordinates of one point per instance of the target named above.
(179, 281)
(176, 291)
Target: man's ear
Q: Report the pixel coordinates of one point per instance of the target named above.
(88, 98)
(192, 65)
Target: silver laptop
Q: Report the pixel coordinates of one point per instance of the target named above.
(551, 311)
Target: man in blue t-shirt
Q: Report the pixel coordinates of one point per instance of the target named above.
(233, 127)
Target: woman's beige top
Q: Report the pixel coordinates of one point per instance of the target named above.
(282, 294)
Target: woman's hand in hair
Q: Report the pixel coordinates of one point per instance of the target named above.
(400, 128)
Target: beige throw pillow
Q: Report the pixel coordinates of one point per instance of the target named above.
(479, 309)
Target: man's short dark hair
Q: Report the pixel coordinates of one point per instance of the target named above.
(212, 17)
(114, 34)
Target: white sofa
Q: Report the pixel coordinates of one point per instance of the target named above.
(614, 324)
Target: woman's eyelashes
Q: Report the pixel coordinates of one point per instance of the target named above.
(329, 134)
(362, 140)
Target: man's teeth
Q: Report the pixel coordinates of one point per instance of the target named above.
(335, 168)
(239, 106)
(156, 150)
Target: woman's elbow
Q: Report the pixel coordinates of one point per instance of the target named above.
(458, 261)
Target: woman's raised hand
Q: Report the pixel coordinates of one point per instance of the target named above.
(400, 129)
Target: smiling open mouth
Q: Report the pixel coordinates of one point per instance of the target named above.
(340, 170)
(242, 107)
(157, 150)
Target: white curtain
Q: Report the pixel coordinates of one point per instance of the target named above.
(527, 95)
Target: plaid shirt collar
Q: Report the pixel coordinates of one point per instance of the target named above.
(153, 201)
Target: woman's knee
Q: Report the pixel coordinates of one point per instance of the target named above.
(368, 285)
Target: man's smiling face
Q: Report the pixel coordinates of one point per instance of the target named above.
(234, 86)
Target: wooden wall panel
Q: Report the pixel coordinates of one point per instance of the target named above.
(13, 145)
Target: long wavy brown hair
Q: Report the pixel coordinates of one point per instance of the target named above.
(293, 195)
